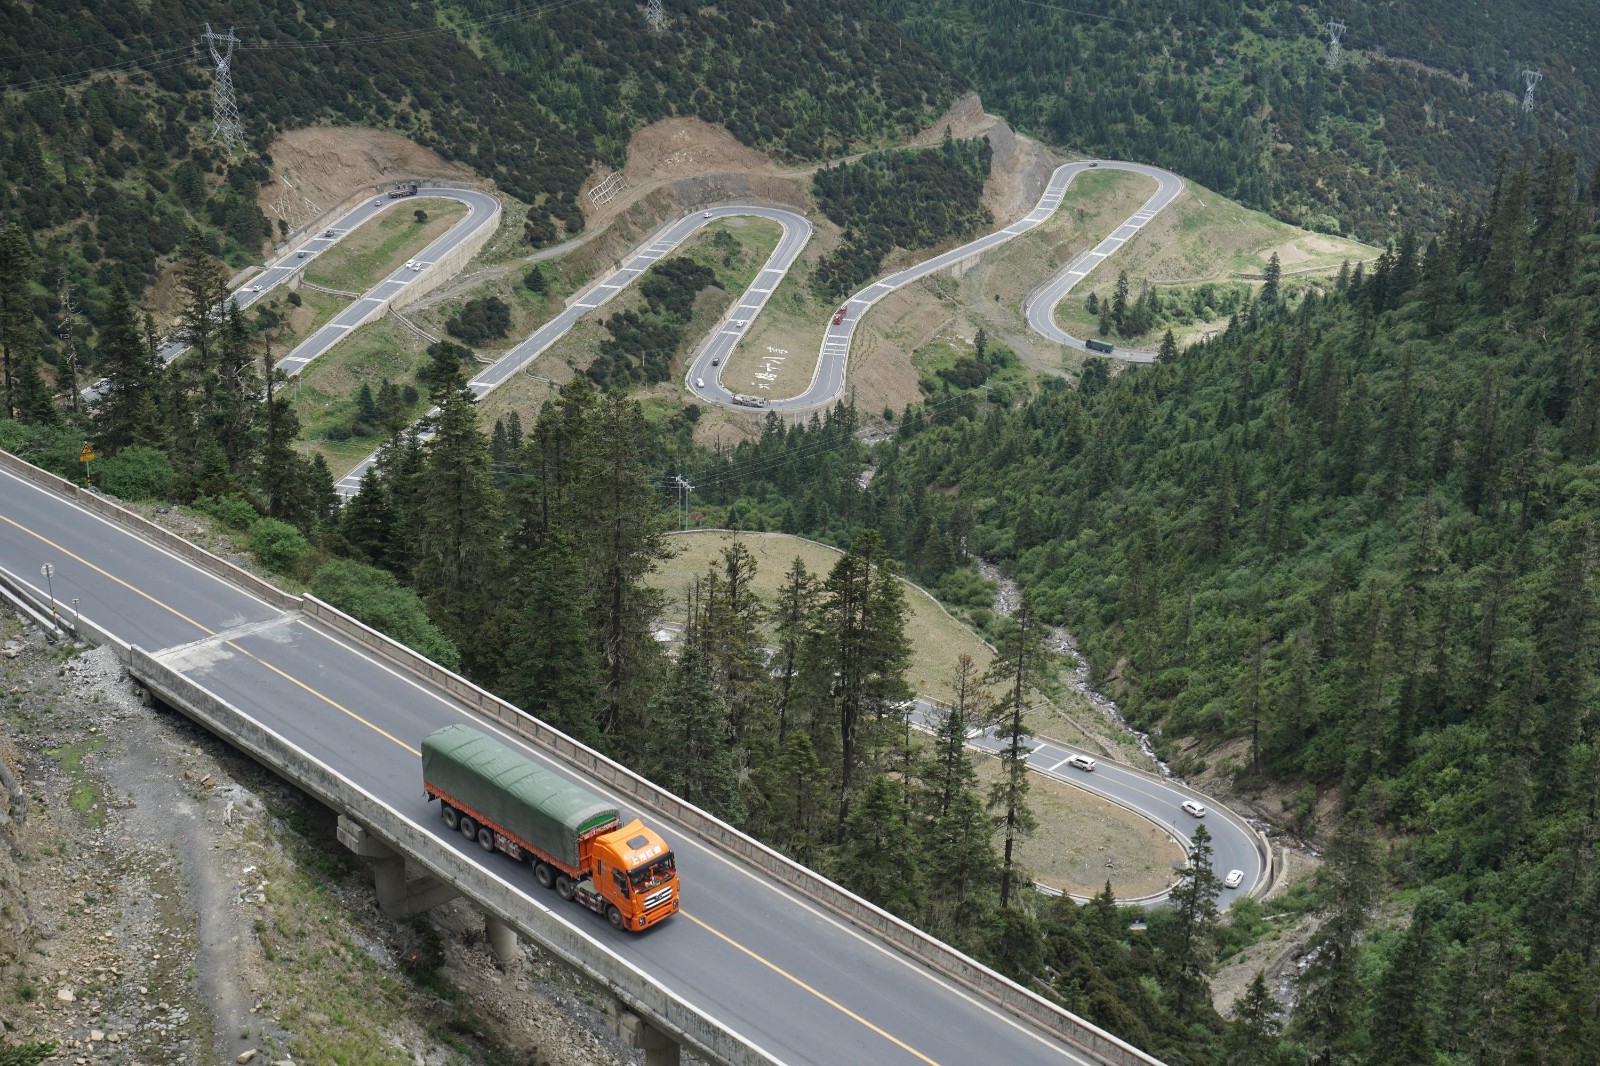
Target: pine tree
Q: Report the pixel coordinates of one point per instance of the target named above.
(1271, 278)
(797, 602)
(126, 410)
(1252, 1037)
(30, 395)
(1194, 903)
(1119, 298)
(859, 652)
(1022, 667)
(203, 293)
(457, 540)
(1325, 1018)
(880, 849)
(689, 749)
(16, 310)
(1168, 352)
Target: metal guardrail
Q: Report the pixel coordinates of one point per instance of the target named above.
(938, 956)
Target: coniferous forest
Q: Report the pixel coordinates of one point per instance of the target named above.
(1345, 550)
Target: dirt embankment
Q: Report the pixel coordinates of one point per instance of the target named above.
(165, 900)
(316, 168)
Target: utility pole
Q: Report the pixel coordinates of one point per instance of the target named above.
(224, 108)
(1335, 31)
(684, 488)
(69, 312)
(1530, 78)
(654, 15)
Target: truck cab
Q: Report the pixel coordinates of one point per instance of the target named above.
(634, 881)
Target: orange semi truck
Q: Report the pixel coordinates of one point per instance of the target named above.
(571, 837)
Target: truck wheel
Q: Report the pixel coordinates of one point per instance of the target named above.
(452, 817)
(544, 873)
(614, 916)
(565, 888)
(486, 838)
(468, 827)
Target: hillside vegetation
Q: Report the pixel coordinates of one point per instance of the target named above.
(1356, 543)
(106, 111)
(1238, 97)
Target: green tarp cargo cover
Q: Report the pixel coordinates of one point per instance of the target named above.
(536, 804)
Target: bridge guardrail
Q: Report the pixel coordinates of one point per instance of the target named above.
(939, 956)
(487, 889)
(936, 954)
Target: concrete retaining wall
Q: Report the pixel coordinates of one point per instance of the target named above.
(452, 263)
(427, 850)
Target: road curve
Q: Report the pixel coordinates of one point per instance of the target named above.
(796, 233)
(828, 377)
(1040, 307)
(481, 207)
(482, 210)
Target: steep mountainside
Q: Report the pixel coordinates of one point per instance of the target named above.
(1239, 97)
(106, 113)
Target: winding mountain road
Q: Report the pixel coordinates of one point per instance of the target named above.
(796, 234)
(828, 378)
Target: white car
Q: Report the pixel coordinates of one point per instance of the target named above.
(1196, 809)
(1234, 879)
(416, 266)
(252, 288)
(1081, 762)
(706, 215)
(699, 383)
(377, 203)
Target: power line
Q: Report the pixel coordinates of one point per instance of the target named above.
(166, 58)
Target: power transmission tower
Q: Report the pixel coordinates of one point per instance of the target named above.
(654, 15)
(1335, 31)
(684, 488)
(1530, 78)
(69, 313)
(224, 108)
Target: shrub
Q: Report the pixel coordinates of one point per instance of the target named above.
(137, 473)
(376, 598)
(233, 511)
(278, 545)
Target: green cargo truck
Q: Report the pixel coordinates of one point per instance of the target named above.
(1098, 346)
(572, 838)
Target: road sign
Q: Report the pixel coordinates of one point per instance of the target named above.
(47, 569)
(87, 456)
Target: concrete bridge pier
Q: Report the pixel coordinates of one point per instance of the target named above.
(659, 1048)
(502, 941)
(399, 897)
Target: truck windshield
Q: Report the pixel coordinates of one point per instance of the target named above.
(652, 873)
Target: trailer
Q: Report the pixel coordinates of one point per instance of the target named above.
(572, 838)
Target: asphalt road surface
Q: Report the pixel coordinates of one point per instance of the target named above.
(1040, 308)
(1233, 843)
(480, 209)
(796, 233)
(767, 964)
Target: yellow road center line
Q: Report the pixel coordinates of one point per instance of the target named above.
(208, 632)
(835, 1004)
(113, 577)
(841, 1008)
(326, 699)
